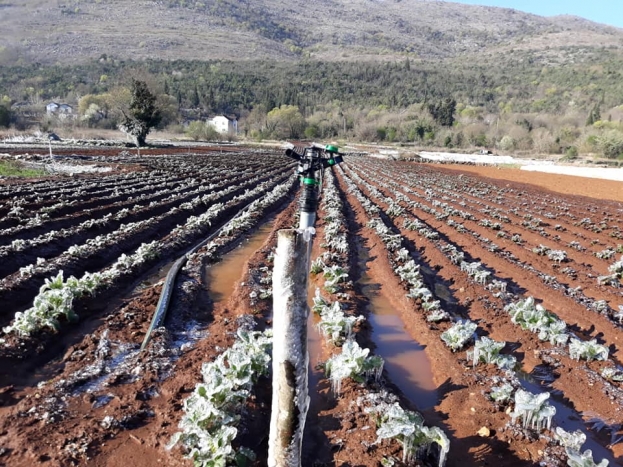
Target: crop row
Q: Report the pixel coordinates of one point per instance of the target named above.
(485, 349)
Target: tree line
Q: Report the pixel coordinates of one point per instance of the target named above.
(512, 106)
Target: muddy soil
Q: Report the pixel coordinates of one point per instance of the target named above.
(83, 407)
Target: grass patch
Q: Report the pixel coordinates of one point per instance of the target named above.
(17, 169)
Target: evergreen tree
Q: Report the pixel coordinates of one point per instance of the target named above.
(5, 116)
(443, 111)
(142, 114)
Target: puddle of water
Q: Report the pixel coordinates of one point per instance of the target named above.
(222, 276)
(96, 376)
(314, 345)
(405, 359)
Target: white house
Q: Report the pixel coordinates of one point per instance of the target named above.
(224, 125)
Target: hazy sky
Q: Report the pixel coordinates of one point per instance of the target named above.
(601, 11)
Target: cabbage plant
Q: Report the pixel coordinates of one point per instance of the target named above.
(572, 443)
(535, 318)
(502, 393)
(534, 410)
(56, 295)
(354, 362)
(335, 326)
(211, 411)
(487, 350)
(407, 427)
(587, 350)
(459, 334)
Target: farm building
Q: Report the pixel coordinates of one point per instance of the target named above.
(224, 124)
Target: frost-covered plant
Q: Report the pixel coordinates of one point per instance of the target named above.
(79, 250)
(19, 244)
(408, 272)
(27, 271)
(335, 326)
(418, 290)
(541, 250)
(534, 410)
(320, 303)
(584, 459)
(612, 374)
(211, 412)
(402, 255)
(487, 350)
(457, 336)
(617, 268)
(587, 350)
(502, 393)
(573, 441)
(558, 256)
(354, 363)
(605, 254)
(334, 275)
(437, 314)
(317, 266)
(537, 319)
(407, 427)
(394, 210)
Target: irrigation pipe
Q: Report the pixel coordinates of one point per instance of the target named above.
(169, 282)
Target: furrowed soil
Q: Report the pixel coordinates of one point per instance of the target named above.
(87, 397)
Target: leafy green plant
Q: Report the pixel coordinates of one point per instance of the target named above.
(502, 393)
(534, 410)
(584, 459)
(587, 350)
(335, 326)
(535, 318)
(612, 374)
(487, 350)
(459, 334)
(334, 275)
(407, 427)
(354, 362)
(211, 411)
(56, 295)
(572, 443)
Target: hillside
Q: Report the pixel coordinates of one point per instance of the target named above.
(74, 31)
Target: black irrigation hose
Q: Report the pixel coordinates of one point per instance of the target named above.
(167, 290)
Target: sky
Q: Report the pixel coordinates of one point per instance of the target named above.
(601, 11)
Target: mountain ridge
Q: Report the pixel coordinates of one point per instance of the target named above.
(49, 31)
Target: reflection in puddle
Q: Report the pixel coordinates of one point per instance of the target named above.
(405, 359)
(222, 276)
